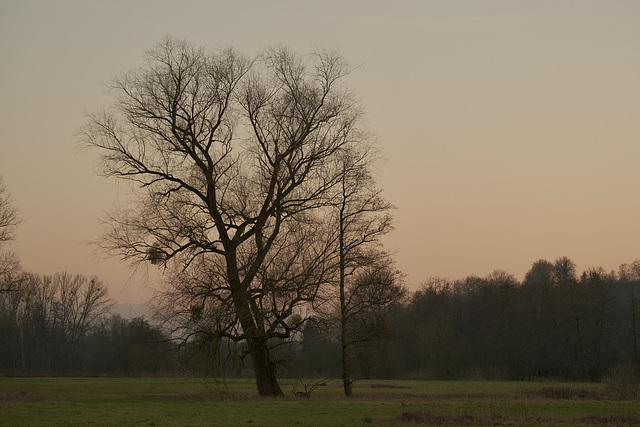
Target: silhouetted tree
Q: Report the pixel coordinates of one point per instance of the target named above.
(539, 308)
(129, 347)
(8, 215)
(629, 276)
(501, 278)
(362, 218)
(10, 271)
(369, 296)
(44, 319)
(436, 346)
(9, 262)
(590, 317)
(320, 350)
(228, 153)
(193, 304)
(77, 303)
(542, 272)
(15, 315)
(564, 271)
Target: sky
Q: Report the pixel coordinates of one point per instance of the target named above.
(510, 129)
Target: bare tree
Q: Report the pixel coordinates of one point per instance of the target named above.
(9, 269)
(9, 262)
(15, 309)
(53, 313)
(564, 270)
(631, 273)
(500, 278)
(541, 273)
(195, 304)
(545, 273)
(369, 296)
(75, 303)
(362, 218)
(8, 215)
(227, 153)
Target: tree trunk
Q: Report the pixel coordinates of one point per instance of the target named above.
(22, 358)
(346, 371)
(346, 374)
(263, 368)
(633, 325)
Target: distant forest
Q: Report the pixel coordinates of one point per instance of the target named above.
(554, 324)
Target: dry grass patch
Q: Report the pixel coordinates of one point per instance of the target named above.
(564, 392)
(499, 419)
(439, 419)
(234, 402)
(23, 396)
(612, 420)
(377, 385)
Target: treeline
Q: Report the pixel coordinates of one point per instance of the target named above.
(62, 324)
(554, 324)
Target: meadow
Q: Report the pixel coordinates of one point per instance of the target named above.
(234, 402)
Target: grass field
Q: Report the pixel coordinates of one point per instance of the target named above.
(206, 402)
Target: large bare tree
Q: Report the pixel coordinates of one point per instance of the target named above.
(230, 156)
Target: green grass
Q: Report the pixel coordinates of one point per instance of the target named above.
(196, 402)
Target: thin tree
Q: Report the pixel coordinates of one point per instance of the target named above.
(368, 298)
(363, 217)
(226, 154)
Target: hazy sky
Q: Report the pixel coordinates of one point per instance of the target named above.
(511, 129)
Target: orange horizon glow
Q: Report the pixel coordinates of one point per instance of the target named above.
(510, 129)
